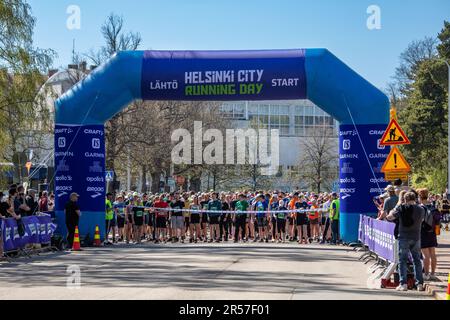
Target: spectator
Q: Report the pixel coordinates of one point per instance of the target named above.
(20, 205)
(410, 216)
(109, 219)
(44, 202)
(428, 235)
(51, 202)
(390, 202)
(445, 210)
(379, 203)
(72, 212)
(334, 217)
(3, 214)
(31, 202)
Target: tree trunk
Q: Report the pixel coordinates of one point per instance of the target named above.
(195, 184)
(254, 172)
(156, 177)
(144, 179)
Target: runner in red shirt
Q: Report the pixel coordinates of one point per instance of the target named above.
(161, 219)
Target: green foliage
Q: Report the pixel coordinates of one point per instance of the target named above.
(444, 37)
(424, 116)
(21, 68)
(434, 179)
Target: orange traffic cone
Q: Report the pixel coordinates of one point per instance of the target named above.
(76, 241)
(447, 296)
(97, 242)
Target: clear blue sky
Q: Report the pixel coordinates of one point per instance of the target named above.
(339, 26)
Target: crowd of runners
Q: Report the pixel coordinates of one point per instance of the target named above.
(191, 217)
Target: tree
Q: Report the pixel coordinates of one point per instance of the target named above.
(317, 164)
(410, 60)
(424, 113)
(116, 39)
(21, 78)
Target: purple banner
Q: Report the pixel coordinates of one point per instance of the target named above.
(378, 236)
(38, 229)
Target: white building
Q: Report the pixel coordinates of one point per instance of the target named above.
(296, 120)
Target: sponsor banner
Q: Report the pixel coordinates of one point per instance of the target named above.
(80, 166)
(221, 76)
(37, 229)
(360, 181)
(379, 237)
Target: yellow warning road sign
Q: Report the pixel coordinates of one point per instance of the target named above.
(394, 135)
(395, 162)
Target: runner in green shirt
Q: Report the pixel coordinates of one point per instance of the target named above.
(240, 217)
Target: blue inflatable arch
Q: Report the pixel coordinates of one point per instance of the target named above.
(315, 74)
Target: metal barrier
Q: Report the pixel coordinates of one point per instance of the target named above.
(36, 238)
(379, 245)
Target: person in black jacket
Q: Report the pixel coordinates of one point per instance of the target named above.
(73, 213)
(31, 202)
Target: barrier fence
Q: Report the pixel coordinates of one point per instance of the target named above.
(36, 230)
(378, 236)
(219, 212)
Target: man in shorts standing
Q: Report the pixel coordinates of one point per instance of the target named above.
(213, 217)
(240, 217)
(261, 218)
(176, 217)
(138, 219)
(161, 219)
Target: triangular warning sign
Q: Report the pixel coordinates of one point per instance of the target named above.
(395, 162)
(394, 135)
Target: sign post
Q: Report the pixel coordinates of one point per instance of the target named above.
(395, 166)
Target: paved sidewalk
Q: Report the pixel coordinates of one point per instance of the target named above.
(438, 288)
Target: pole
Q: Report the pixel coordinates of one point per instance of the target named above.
(448, 138)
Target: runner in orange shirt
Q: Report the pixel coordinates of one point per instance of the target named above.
(314, 220)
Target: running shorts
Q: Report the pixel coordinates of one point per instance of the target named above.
(195, 218)
(213, 219)
(301, 220)
(161, 222)
(120, 222)
(139, 221)
(281, 225)
(177, 222)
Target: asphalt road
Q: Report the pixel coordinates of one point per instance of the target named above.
(199, 271)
